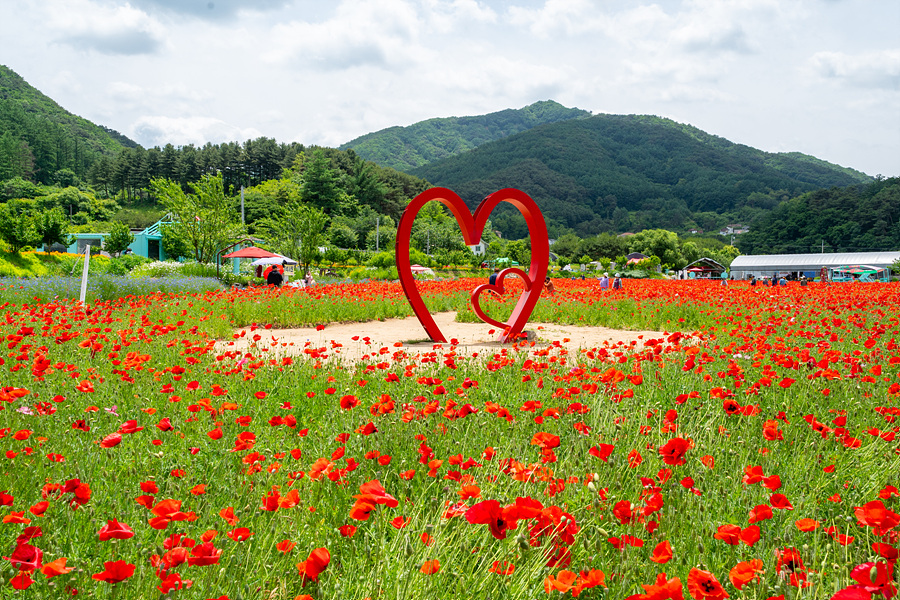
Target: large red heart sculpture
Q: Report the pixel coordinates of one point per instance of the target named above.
(472, 226)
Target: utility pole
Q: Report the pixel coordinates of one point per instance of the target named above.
(243, 222)
(377, 232)
(823, 246)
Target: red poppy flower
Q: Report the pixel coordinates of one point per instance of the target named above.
(113, 439)
(807, 524)
(662, 553)
(57, 567)
(874, 514)
(311, 568)
(662, 589)
(602, 451)
(563, 582)
(545, 440)
(239, 534)
(745, 572)
(349, 402)
(204, 554)
(21, 581)
(490, 513)
(780, 501)
(760, 512)
(430, 567)
(703, 585)
(750, 535)
(113, 530)
(26, 557)
(673, 451)
(502, 568)
(115, 571)
(730, 534)
(285, 546)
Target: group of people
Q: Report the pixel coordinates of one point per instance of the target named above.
(616, 283)
(776, 281)
(551, 289)
(275, 276)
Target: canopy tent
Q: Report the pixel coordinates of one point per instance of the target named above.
(705, 267)
(863, 273)
(419, 269)
(810, 265)
(250, 252)
(505, 261)
(273, 260)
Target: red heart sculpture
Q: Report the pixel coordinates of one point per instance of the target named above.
(471, 226)
(497, 287)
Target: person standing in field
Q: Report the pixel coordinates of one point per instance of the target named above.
(548, 284)
(275, 277)
(604, 282)
(493, 278)
(617, 283)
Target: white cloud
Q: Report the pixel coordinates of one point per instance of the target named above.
(555, 17)
(160, 130)
(210, 9)
(107, 29)
(870, 69)
(361, 33)
(445, 16)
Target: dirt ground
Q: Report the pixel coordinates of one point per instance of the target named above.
(471, 337)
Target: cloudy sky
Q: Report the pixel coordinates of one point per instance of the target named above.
(815, 76)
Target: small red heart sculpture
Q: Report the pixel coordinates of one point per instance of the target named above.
(497, 288)
(472, 226)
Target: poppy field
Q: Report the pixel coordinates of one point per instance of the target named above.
(749, 450)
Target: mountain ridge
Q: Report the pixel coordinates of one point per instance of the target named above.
(410, 146)
(659, 172)
(54, 138)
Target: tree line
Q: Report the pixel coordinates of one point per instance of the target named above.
(857, 218)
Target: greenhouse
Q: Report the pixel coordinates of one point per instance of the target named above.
(809, 265)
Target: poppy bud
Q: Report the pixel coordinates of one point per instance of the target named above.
(429, 529)
(592, 487)
(522, 540)
(873, 573)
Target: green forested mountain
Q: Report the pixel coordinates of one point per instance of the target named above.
(404, 148)
(631, 172)
(853, 219)
(38, 137)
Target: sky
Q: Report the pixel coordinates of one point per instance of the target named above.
(820, 77)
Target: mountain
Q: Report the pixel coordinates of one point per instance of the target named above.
(631, 172)
(853, 219)
(404, 148)
(38, 137)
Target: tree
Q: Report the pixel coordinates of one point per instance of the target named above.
(320, 186)
(119, 238)
(205, 220)
(342, 235)
(17, 228)
(53, 227)
(298, 232)
(172, 243)
(567, 247)
(660, 243)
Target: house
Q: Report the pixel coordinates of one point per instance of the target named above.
(147, 242)
(734, 229)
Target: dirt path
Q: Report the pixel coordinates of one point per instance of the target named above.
(471, 337)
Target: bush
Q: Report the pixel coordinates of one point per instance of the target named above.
(126, 263)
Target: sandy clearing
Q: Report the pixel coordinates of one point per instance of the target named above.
(471, 337)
